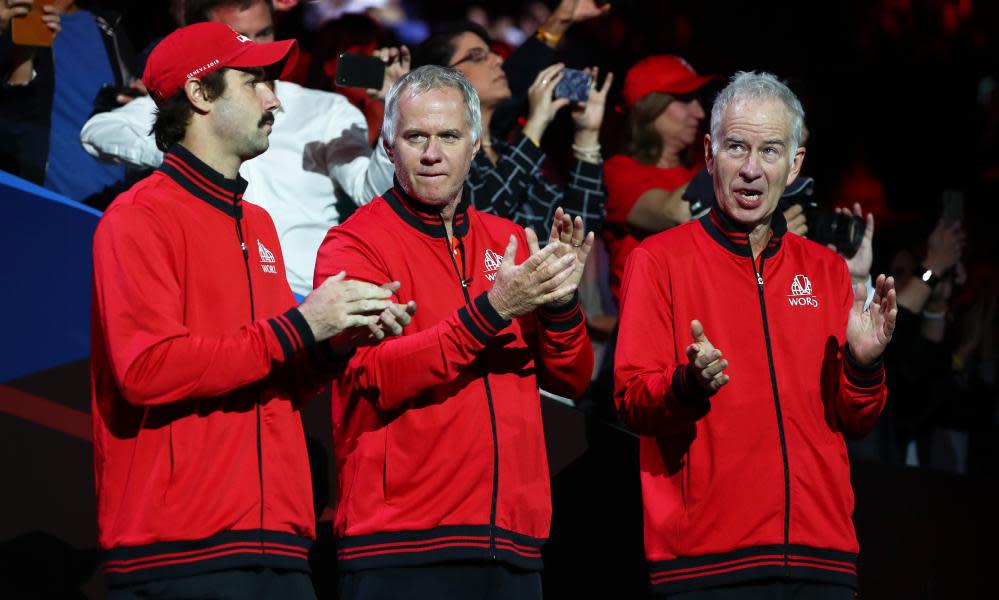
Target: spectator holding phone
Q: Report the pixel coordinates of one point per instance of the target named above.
(506, 178)
(49, 92)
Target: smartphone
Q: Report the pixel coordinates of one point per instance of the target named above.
(953, 206)
(358, 70)
(30, 30)
(575, 85)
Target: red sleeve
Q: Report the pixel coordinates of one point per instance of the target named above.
(862, 391)
(564, 355)
(654, 389)
(154, 357)
(400, 369)
(624, 186)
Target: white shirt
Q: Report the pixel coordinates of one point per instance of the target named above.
(318, 153)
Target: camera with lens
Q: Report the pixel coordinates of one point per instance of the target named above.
(844, 231)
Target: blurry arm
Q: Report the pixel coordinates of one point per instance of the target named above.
(348, 159)
(659, 209)
(123, 135)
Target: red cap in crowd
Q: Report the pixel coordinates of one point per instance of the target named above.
(663, 73)
(202, 48)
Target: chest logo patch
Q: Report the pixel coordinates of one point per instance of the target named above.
(801, 292)
(492, 262)
(267, 261)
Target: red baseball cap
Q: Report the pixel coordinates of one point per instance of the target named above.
(202, 48)
(663, 73)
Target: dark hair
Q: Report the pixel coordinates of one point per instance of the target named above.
(197, 11)
(174, 114)
(643, 142)
(438, 49)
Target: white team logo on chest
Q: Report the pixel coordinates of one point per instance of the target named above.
(492, 262)
(801, 292)
(267, 260)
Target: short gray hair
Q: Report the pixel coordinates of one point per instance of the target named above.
(750, 85)
(422, 80)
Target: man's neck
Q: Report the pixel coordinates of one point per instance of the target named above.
(759, 237)
(226, 164)
(447, 215)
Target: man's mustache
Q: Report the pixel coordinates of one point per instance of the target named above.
(267, 119)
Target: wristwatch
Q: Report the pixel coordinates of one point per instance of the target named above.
(925, 275)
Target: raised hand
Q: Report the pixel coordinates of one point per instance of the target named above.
(397, 62)
(869, 331)
(569, 238)
(541, 279)
(707, 360)
(860, 263)
(591, 115)
(541, 106)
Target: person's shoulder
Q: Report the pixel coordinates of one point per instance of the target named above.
(815, 251)
(371, 219)
(149, 200)
(674, 236)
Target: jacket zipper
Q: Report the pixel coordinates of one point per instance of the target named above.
(489, 400)
(238, 214)
(780, 418)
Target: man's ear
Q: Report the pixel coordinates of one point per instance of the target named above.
(197, 95)
(389, 150)
(709, 159)
(799, 157)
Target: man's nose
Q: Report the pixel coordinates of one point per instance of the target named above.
(431, 152)
(696, 109)
(751, 168)
(269, 98)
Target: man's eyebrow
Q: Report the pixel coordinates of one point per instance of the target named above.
(774, 142)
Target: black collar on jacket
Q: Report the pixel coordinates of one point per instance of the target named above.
(427, 219)
(734, 236)
(203, 181)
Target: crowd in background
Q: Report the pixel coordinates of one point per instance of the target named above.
(901, 109)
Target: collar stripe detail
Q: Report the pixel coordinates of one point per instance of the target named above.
(202, 181)
(196, 177)
(729, 235)
(427, 222)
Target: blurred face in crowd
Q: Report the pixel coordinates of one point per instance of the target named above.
(242, 116)
(680, 124)
(482, 68)
(433, 148)
(752, 165)
(255, 22)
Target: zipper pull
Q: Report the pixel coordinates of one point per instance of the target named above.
(759, 279)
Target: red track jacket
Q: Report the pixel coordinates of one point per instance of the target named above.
(196, 353)
(755, 482)
(439, 446)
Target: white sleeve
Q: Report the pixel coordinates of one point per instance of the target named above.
(123, 135)
(349, 160)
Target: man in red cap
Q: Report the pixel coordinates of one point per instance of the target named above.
(200, 358)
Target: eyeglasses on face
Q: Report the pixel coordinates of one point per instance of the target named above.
(475, 55)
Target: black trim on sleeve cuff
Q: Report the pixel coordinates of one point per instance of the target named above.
(562, 317)
(868, 376)
(686, 388)
(292, 331)
(481, 319)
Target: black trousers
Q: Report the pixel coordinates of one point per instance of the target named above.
(457, 581)
(770, 590)
(235, 584)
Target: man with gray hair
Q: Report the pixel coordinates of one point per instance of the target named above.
(443, 486)
(745, 477)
